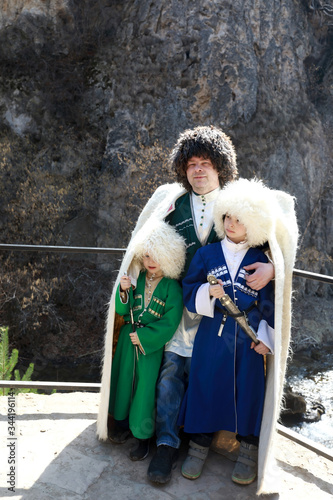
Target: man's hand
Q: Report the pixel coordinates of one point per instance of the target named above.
(216, 290)
(260, 348)
(264, 273)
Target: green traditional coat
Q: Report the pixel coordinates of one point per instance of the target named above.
(133, 381)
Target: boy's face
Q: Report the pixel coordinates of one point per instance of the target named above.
(235, 231)
(202, 175)
(150, 265)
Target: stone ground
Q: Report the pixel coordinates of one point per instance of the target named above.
(57, 455)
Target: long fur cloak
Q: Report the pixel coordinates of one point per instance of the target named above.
(282, 238)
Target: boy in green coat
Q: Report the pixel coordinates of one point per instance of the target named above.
(152, 308)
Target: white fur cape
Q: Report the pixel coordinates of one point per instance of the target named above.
(282, 240)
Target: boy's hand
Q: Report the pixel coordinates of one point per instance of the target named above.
(264, 273)
(216, 291)
(125, 283)
(134, 338)
(260, 348)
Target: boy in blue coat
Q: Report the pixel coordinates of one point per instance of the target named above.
(227, 380)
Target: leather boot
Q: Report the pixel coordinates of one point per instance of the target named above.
(141, 450)
(162, 463)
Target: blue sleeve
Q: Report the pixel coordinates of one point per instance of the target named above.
(195, 277)
(266, 303)
(265, 300)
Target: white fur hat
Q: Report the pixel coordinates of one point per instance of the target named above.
(162, 242)
(253, 204)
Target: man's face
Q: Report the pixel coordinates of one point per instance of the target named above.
(202, 175)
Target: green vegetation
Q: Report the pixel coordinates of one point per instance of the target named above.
(8, 363)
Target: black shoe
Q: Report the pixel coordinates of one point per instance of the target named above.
(141, 451)
(119, 435)
(160, 468)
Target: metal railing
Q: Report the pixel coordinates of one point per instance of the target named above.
(66, 249)
(60, 386)
(59, 249)
(95, 387)
(313, 276)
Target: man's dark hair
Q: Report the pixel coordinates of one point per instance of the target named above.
(205, 142)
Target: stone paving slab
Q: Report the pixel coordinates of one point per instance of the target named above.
(57, 455)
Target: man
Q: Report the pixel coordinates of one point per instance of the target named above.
(204, 160)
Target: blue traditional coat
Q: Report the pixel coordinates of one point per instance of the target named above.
(227, 381)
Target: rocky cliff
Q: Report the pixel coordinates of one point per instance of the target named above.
(93, 94)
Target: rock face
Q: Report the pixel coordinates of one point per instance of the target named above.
(93, 94)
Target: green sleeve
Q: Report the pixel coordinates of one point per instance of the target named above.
(156, 334)
(121, 308)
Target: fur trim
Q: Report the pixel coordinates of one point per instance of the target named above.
(162, 242)
(253, 204)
